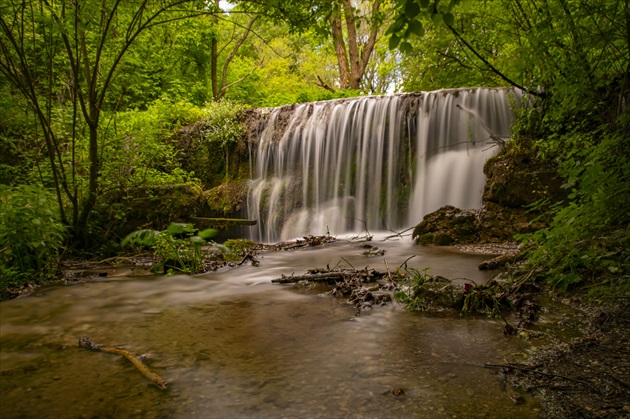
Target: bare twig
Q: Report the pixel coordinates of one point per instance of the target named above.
(389, 273)
(404, 264)
(344, 259)
(398, 234)
(88, 343)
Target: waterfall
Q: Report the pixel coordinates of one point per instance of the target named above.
(377, 162)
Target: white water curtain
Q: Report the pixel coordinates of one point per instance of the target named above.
(381, 162)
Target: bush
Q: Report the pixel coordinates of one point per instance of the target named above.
(31, 235)
(587, 242)
(178, 247)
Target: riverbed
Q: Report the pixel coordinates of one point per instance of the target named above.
(232, 344)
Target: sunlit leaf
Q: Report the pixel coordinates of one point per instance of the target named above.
(179, 228)
(197, 240)
(208, 233)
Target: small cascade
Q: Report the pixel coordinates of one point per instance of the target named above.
(377, 163)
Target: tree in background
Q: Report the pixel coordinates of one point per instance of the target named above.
(64, 58)
(355, 44)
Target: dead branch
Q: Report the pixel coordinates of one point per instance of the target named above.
(88, 343)
(497, 139)
(324, 85)
(349, 264)
(318, 277)
(368, 236)
(398, 234)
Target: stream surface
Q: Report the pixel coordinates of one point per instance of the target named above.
(232, 344)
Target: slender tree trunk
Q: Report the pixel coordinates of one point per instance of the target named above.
(353, 48)
(214, 59)
(340, 50)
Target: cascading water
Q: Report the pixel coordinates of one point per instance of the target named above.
(379, 162)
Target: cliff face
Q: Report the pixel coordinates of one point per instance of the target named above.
(519, 186)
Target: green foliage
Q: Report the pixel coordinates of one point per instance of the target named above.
(482, 299)
(410, 283)
(222, 124)
(31, 235)
(178, 247)
(235, 249)
(142, 150)
(407, 21)
(588, 240)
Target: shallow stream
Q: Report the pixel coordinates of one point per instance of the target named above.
(232, 344)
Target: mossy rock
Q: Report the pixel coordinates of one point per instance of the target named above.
(226, 200)
(447, 226)
(517, 177)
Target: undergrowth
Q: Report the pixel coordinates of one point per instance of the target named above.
(587, 244)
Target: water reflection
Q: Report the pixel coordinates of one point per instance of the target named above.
(234, 345)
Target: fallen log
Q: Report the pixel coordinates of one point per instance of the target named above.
(318, 277)
(88, 343)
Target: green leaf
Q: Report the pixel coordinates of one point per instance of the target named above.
(207, 233)
(197, 240)
(416, 28)
(144, 237)
(394, 40)
(437, 18)
(424, 3)
(412, 9)
(449, 19)
(405, 47)
(396, 26)
(179, 228)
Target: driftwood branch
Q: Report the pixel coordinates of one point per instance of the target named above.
(368, 236)
(319, 277)
(88, 343)
(398, 234)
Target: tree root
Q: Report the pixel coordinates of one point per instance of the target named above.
(88, 343)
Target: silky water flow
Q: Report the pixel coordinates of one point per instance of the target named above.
(232, 344)
(373, 163)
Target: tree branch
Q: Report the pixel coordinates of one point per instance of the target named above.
(491, 67)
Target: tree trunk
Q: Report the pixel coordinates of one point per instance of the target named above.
(214, 62)
(353, 58)
(340, 50)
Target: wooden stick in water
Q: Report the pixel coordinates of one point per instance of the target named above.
(88, 343)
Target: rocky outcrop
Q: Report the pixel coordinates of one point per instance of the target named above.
(519, 187)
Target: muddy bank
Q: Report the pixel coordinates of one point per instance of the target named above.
(587, 376)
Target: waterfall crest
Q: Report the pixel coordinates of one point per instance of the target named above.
(377, 162)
